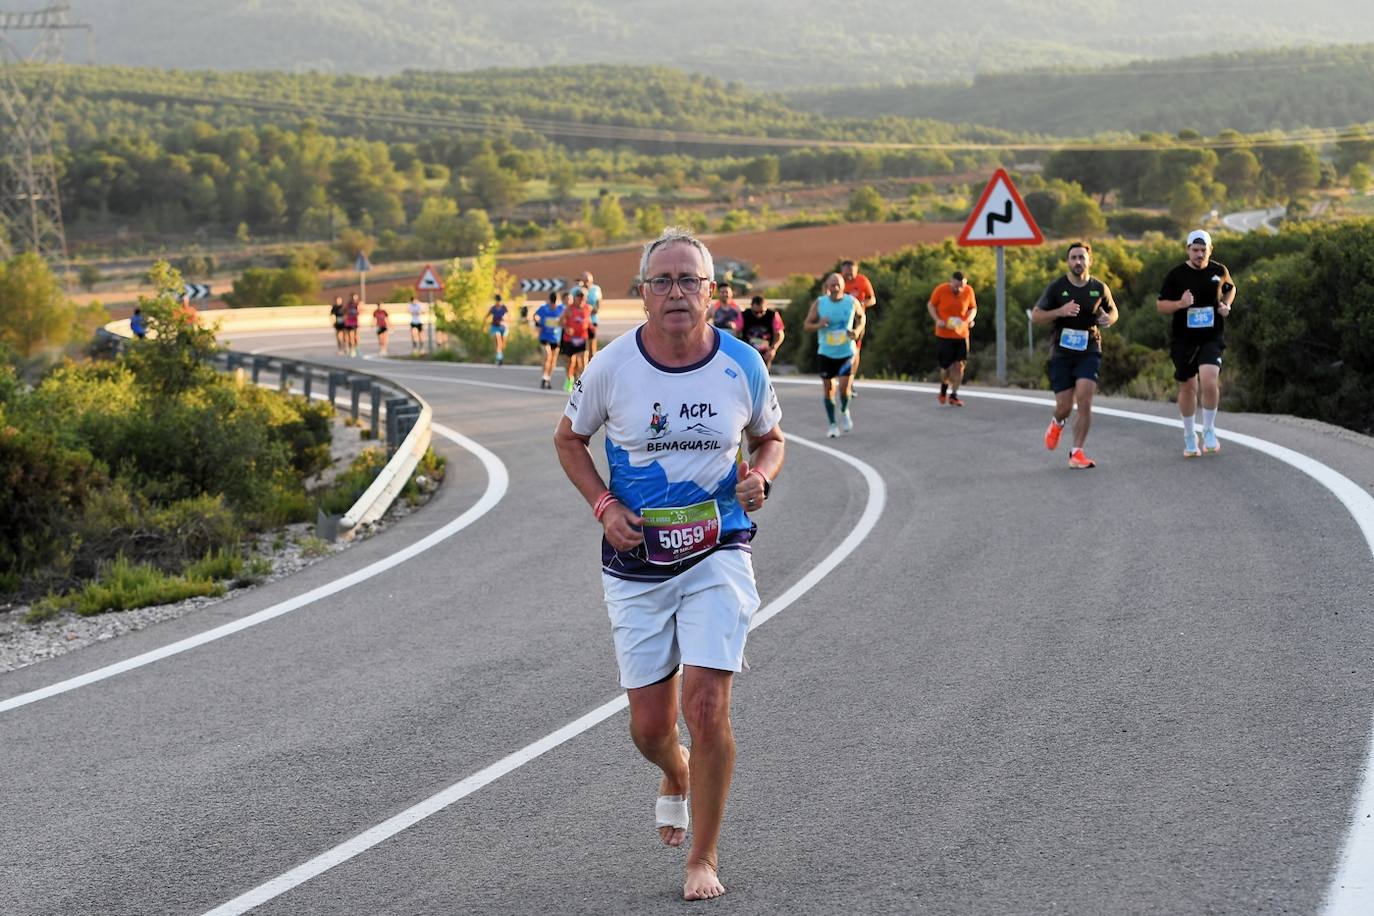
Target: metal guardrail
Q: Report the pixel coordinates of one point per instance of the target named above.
(407, 416)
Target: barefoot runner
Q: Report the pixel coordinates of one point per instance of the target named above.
(676, 397)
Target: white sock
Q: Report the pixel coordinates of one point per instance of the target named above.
(1209, 418)
(1189, 430)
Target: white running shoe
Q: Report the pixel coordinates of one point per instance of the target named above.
(846, 424)
(1210, 445)
(1192, 447)
(833, 431)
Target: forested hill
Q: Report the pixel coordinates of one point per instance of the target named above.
(579, 107)
(764, 43)
(1250, 91)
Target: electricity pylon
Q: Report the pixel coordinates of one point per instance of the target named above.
(30, 61)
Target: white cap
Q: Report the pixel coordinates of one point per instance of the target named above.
(1199, 235)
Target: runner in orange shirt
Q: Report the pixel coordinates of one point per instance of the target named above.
(953, 309)
(857, 285)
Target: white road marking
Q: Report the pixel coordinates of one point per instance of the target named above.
(498, 479)
(1351, 890)
(877, 499)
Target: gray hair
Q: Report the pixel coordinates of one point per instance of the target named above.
(677, 235)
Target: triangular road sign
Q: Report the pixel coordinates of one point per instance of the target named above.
(1000, 217)
(429, 281)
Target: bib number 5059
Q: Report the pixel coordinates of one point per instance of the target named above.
(674, 534)
(678, 538)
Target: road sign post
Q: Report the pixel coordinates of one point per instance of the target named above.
(429, 284)
(1001, 218)
(362, 265)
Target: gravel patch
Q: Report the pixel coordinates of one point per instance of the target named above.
(290, 550)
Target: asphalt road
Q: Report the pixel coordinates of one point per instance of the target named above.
(1144, 688)
(1250, 220)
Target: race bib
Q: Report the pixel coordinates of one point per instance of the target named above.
(1201, 316)
(759, 343)
(677, 534)
(836, 338)
(1073, 339)
(954, 322)
(577, 341)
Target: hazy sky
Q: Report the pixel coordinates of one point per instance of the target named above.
(766, 43)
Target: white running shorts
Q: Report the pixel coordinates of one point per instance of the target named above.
(699, 617)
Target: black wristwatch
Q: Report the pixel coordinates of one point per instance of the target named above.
(767, 485)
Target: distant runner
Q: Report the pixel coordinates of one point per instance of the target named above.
(1079, 307)
(762, 327)
(382, 320)
(840, 321)
(577, 323)
(1198, 294)
(858, 286)
(417, 325)
(548, 319)
(336, 312)
(726, 314)
(677, 398)
(593, 303)
(953, 307)
(496, 318)
(351, 312)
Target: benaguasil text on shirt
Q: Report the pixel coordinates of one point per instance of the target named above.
(672, 440)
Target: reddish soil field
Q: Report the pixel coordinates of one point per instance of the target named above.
(776, 254)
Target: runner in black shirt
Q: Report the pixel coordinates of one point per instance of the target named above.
(1198, 294)
(763, 329)
(1079, 307)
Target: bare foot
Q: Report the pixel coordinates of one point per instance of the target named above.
(674, 836)
(701, 883)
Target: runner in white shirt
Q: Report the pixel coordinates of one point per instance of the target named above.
(417, 324)
(676, 398)
(593, 303)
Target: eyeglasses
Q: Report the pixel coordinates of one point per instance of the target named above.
(690, 286)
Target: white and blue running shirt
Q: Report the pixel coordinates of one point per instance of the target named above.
(672, 441)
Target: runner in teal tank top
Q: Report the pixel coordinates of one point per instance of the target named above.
(838, 321)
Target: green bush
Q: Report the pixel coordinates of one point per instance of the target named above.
(123, 586)
(43, 486)
(120, 521)
(352, 483)
(220, 564)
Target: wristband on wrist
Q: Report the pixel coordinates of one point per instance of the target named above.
(603, 503)
(767, 484)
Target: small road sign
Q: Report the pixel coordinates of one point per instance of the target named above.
(429, 281)
(362, 265)
(542, 286)
(1000, 217)
(197, 291)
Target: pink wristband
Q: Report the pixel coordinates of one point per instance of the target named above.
(603, 503)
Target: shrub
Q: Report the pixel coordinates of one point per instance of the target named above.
(123, 586)
(352, 483)
(42, 488)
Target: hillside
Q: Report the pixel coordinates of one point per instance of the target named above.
(766, 43)
(1247, 91)
(579, 107)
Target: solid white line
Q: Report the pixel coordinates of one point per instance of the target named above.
(1351, 890)
(497, 481)
(877, 498)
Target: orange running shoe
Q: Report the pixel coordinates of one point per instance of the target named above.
(1052, 435)
(954, 401)
(941, 398)
(1079, 460)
